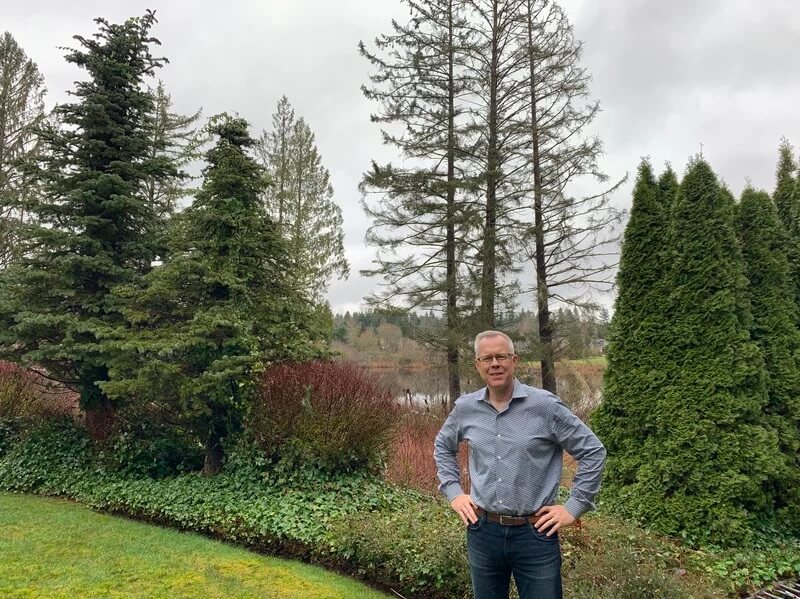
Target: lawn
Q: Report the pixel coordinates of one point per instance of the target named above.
(55, 548)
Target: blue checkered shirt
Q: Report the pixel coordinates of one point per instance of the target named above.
(516, 455)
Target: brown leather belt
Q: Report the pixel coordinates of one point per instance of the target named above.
(506, 520)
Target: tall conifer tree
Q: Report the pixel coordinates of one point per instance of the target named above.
(787, 203)
(95, 227)
(709, 466)
(764, 247)
(300, 200)
(635, 377)
(199, 326)
(21, 111)
(423, 221)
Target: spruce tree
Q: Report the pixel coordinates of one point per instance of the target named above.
(770, 291)
(94, 226)
(708, 467)
(635, 376)
(199, 327)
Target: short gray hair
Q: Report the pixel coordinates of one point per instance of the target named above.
(486, 334)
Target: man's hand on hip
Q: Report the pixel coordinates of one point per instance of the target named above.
(465, 508)
(552, 518)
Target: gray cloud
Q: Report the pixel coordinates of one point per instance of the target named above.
(670, 76)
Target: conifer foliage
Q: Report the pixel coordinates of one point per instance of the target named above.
(635, 375)
(200, 326)
(693, 448)
(94, 227)
(764, 248)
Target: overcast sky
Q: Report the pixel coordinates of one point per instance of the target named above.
(670, 76)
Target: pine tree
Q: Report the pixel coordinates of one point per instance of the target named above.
(199, 327)
(21, 111)
(708, 466)
(635, 377)
(94, 224)
(770, 291)
(423, 218)
(300, 200)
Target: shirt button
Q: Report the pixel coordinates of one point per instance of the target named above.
(499, 480)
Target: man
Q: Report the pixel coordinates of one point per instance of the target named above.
(516, 435)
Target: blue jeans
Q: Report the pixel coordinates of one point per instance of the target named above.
(496, 552)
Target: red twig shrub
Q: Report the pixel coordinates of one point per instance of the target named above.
(410, 462)
(335, 413)
(27, 396)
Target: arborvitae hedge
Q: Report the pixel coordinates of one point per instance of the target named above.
(764, 246)
(635, 375)
(706, 470)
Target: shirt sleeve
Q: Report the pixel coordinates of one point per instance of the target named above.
(445, 453)
(582, 444)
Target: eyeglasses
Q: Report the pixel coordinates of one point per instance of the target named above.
(499, 357)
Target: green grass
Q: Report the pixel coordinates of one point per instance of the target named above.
(54, 548)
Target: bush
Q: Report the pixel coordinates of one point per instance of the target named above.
(333, 413)
(143, 446)
(20, 394)
(358, 524)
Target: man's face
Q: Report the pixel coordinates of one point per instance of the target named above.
(498, 375)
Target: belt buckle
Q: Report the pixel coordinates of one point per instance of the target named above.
(502, 519)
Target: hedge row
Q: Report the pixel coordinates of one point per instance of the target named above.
(355, 523)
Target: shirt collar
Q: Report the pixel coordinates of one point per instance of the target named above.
(517, 393)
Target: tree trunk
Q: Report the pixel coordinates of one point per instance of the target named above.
(214, 454)
(542, 292)
(453, 376)
(97, 407)
(488, 280)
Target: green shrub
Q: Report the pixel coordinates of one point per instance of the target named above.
(54, 458)
(145, 447)
(357, 523)
(332, 413)
(420, 547)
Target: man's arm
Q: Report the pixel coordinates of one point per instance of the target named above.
(583, 445)
(445, 453)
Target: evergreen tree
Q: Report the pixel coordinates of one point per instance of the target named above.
(174, 142)
(423, 218)
(200, 326)
(785, 198)
(494, 70)
(708, 467)
(300, 200)
(787, 202)
(21, 111)
(764, 246)
(95, 227)
(569, 240)
(635, 377)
